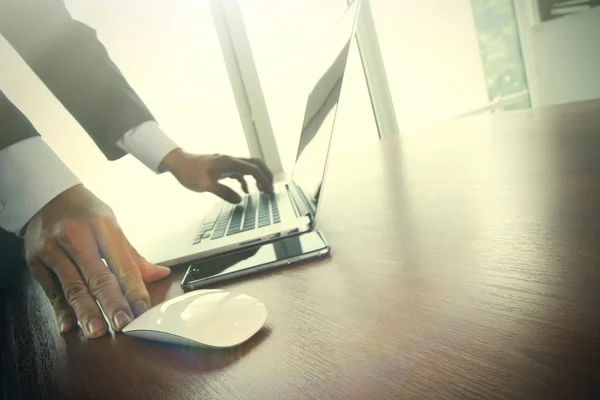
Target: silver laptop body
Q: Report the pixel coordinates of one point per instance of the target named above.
(292, 208)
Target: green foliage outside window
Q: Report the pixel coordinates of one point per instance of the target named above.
(500, 48)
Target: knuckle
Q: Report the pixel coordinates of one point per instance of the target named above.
(100, 283)
(136, 292)
(55, 299)
(49, 246)
(86, 314)
(128, 274)
(103, 221)
(112, 304)
(61, 313)
(138, 295)
(256, 172)
(69, 233)
(126, 269)
(75, 292)
(134, 288)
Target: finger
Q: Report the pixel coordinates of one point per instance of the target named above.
(265, 170)
(225, 192)
(76, 293)
(149, 271)
(117, 251)
(243, 183)
(238, 166)
(64, 313)
(80, 244)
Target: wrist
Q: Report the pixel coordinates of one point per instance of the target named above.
(172, 160)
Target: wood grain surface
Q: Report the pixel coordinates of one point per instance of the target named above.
(465, 264)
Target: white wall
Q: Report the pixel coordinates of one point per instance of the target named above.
(562, 56)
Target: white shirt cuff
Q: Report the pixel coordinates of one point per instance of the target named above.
(148, 143)
(31, 175)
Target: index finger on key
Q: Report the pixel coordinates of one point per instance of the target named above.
(238, 166)
(265, 170)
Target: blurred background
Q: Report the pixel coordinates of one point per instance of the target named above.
(443, 59)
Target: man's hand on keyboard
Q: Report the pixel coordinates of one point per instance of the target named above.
(64, 246)
(203, 173)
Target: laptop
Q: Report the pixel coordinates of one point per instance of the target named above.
(292, 208)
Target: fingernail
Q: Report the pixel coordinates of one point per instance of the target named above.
(121, 319)
(140, 307)
(65, 325)
(95, 326)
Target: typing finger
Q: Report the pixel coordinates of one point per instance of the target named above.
(76, 292)
(238, 166)
(116, 250)
(243, 183)
(80, 245)
(64, 313)
(266, 172)
(225, 192)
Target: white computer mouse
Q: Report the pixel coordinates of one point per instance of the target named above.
(209, 318)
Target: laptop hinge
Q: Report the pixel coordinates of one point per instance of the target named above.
(301, 203)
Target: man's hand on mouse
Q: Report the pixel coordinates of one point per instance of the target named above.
(203, 173)
(64, 246)
(67, 240)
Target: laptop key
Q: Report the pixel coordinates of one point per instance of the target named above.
(264, 222)
(211, 217)
(236, 219)
(233, 231)
(250, 222)
(219, 233)
(264, 216)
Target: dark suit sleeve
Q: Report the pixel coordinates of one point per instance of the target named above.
(14, 126)
(68, 57)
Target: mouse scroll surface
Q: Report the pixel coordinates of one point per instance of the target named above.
(212, 318)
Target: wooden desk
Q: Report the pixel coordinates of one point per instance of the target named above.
(466, 264)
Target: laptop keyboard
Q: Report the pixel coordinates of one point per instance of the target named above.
(255, 210)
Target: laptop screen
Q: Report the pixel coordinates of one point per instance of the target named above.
(326, 80)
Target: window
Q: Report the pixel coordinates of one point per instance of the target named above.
(552, 9)
(432, 59)
(501, 55)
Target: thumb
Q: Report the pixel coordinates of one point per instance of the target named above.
(149, 271)
(226, 193)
